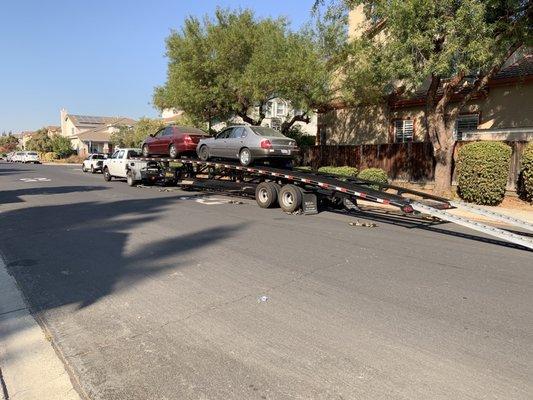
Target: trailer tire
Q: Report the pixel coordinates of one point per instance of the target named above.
(290, 198)
(130, 179)
(107, 175)
(266, 194)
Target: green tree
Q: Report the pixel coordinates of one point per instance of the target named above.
(40, 141)
(61, 146)
(234, 64)
(133, 136)
(449, 47)
(8, 143)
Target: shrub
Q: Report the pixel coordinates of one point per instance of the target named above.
(50, 156)
(525, 180)
(374, 175)
(482, 171)
(73, 159)
(349, 172)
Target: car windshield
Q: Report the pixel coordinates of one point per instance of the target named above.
(266, 131)
(32, 154)
(98, 157)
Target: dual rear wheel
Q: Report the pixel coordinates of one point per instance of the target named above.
(270, 194)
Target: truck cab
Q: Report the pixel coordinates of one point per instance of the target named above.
(118, 165)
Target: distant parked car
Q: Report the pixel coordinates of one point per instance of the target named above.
(247, 144)
(31, 157)
(18, 156)
(173, 141)
(93, 163)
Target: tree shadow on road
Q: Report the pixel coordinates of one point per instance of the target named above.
(76, 254)
(14, 196)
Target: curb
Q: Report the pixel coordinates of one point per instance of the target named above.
(30, 365)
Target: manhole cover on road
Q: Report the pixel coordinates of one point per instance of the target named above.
(35, 179)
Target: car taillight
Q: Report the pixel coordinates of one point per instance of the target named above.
(266, 144)
(187, 138)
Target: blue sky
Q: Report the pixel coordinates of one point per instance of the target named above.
(95, 57)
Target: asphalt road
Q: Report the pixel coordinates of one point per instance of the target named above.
(174, 295)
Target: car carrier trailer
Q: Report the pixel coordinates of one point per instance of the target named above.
(297, 190)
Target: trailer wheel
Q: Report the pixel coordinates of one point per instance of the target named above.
(266, 194)
(107, 175)
(290, 198)
(129, 178)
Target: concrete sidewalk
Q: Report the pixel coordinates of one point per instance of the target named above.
(30, 368)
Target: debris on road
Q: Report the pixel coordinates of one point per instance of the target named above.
(363, 224)
(263, 299)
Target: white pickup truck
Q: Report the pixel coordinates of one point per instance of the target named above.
(120, 165)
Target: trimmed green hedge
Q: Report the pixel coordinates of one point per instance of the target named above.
(482, 171)
(349, 172)
(525, 180)
(375, 175)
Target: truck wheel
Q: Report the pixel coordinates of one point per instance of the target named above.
(172, 151)
(203, 153)
(129, 178)
(146, 151)
(245, 157)
(107, 175)
(290, 198)
(266, 194)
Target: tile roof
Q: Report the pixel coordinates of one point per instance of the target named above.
(100, 134)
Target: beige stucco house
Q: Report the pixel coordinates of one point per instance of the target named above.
(503, 111)
(91, 134)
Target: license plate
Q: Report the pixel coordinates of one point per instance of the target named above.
(169, 174)
(285, 152)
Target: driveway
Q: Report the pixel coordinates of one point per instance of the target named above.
(151, 294)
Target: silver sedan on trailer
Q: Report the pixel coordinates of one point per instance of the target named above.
(247, 144)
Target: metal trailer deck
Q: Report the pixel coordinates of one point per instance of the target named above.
(351, 189)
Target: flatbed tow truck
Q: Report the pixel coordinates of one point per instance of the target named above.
(308, 192)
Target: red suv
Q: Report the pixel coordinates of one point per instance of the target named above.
(173, 141)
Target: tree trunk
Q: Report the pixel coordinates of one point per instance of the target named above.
(443, 171)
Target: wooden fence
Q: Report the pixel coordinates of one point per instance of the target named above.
(413, 162)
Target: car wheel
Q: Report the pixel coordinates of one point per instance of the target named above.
(203, 153)
(129, 178)
(172, 151)
(93, 171)
(146, 151)
(83, 168)
(266, 194)
(290, 198)
(245, 157)
(107, 175)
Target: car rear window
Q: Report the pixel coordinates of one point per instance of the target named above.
(98, 157)
(191, 131)
(266, 131)
(32, 154)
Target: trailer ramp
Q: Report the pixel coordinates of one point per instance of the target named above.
(477, 226)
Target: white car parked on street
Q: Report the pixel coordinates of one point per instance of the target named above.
(31, 157)
(93, 163)
(18, 156)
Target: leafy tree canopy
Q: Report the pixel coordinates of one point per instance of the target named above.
(8, 143)
(235, 62)
(133, 136)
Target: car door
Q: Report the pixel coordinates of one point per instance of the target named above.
(155, 143)
(218, 146)
(166, 139)
(116, 163)
(234, 142)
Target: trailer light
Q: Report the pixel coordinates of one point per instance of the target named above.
(266, 144)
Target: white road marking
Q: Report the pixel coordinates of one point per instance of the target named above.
(35, 179)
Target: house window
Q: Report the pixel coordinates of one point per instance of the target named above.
(403, 130)
(72, 131)
(281, 109)
(465, 123)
